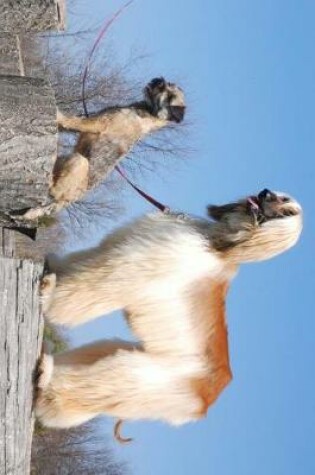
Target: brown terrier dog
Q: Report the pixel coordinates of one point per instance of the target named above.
(115, 131)
(105, 138)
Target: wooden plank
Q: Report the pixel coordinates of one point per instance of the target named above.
(28, 146)
(26, 243)
(19, 16)
(21, 55)
(20, 342)
(32, 53)
(7, 242)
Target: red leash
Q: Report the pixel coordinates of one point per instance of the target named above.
(102, 32)
(150, 199)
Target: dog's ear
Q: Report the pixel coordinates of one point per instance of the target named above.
(218, 212)
(214, 212)
(153, 88)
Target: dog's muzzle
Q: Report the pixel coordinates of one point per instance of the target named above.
(268, 205)
(176, 113)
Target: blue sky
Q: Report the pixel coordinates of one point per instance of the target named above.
(248, 69)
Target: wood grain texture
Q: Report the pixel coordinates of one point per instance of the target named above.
(20, 342)
(19, 16)
(9, 55)
(28, 146)
(21, 55)
(33, 244)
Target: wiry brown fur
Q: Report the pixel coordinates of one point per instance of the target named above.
(106, 137)
(112, 133)
(170, 273)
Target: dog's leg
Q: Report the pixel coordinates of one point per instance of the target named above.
(90, 284)
(79, 299)
(129, 384)
(70, 178)
(34, 214)
(80, 124)
(89, 354)
(47, 288)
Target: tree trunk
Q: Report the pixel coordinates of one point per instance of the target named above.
(20, 16)
(28, 143)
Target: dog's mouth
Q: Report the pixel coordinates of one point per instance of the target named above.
(165, 100)
(176, 113)
(269, 205)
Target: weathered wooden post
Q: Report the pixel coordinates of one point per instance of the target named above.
(22, 16)
(28, 145)
(27, 142)
(20, 340)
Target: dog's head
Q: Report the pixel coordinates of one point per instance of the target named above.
(165, 100)
(261, 225)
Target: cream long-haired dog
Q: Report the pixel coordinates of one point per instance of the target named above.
(170, 273)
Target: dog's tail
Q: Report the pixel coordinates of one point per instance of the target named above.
(117, 434)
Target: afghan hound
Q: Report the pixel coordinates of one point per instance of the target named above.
(170, 273)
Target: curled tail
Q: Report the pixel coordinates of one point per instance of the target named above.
(117, 434)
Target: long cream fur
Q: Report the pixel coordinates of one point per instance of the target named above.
(170, 273)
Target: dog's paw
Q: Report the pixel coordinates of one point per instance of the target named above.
(46, 289)
(47, 284)
(44, 371)
(30, 214)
